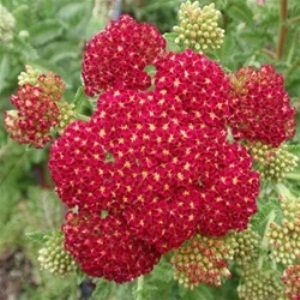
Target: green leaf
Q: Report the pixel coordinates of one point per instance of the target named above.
(37, 237)
(171, 45)
(239, 10)
(42, 33)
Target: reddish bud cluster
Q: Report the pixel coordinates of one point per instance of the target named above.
(37, 111)
(261, 108)
(203, 260)
(118, 55)
(291, 280)
(106, 247)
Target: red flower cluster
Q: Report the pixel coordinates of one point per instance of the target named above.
(118, 55)
(106, 247)
(198, 81)
(157, 162)
(229, 198)
(142, 157)
(37, 111)
(261, 108)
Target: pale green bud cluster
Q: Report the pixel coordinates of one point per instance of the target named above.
(66, 115)
(198, 27)
(54, 258)
(272, 163)
(284, 238)
(30, 75)
(203, 260)
(247, 245)
(259, 284)
(7, 25)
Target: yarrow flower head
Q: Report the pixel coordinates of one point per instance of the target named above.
(105, 247)
(203, 260)
(272, 163)
(37, 114)
(7, 25)
(166, 165)
(157, 162)
(261, 108)
(118, 55)
(198, 27)
(291, 281)
(54, 258)
(284, 238)
(259, 284)
(200, 83)
(40, 108)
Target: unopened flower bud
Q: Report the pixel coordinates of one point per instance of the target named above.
(198, 27)
(203, 260)
(54, 258)
(272, 163)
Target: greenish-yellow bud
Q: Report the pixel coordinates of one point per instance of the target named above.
(198, 27)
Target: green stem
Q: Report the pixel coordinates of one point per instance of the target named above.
(283, 29)
(294, 20)
(292, 68)
(283, 191)
(292, 176)
(264, 242)
(81, 117)
(139, 289)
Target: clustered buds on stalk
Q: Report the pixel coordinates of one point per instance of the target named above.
(203, 260)
(54, 258)
(246, 249)
(198, 27)
(7, 25)
(40, 108)
(272, 162)
(66, 115)
(259, 284)
(30, 75)
(291, 281)
(284, 238)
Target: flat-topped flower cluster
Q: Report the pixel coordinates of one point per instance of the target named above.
(153, 167)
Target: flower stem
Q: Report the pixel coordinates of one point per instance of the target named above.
(294, 20)
(81, 117)
(284, 192)
(283, 28)
(139, 289)
(264, 242)
(292, 176)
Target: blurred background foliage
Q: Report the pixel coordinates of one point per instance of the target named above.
(51, 34)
